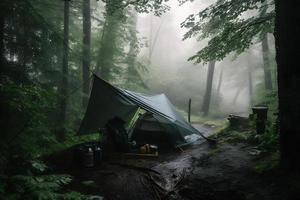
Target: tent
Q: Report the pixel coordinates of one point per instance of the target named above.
(160, 122)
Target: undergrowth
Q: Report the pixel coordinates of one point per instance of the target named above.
(27, 135)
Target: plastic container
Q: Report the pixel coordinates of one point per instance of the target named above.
(97, 155)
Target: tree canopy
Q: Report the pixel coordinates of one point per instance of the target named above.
(230, 26)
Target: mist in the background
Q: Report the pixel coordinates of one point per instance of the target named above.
(170, 72)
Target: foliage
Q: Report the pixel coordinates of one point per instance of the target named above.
(38, 187)
(269, 140)
(228, 28)
(158, 7)
(26, 125)
(31, 46)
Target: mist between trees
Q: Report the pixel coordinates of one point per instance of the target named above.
(220, 54)
(150, 47)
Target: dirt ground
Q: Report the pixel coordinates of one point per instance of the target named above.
(219, 172)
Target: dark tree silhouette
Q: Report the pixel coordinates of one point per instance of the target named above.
(207, 96)
(86, 51)
(64, 83)
(287, 40)
(266, 59)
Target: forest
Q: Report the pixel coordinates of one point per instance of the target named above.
(149, 99)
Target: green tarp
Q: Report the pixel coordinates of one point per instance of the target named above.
(107, 101)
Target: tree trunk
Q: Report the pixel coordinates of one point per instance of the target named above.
(86, 51)
(64, 83)
(153, 41)
(220, 80)
(107, 50)
(109, 42)
(207, 96)
(150, 39)
(2, 50)
(132, 53)
(237, 94)
(287, 40)
(23, 51)
(266, 60)
(250, 82)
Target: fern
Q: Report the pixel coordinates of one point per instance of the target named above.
(44, 187)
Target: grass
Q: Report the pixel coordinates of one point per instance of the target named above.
(208, 120)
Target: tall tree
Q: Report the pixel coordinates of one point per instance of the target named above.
(64, 81)
(109, 47)
(132, 73)
(237, 94)
(287, 40)
(132, 53)
(249, 72)
(266, 61)
(2, 50)
(208, 91)
(227, 30)
(153, 40)
(250, 83)
(86, 51)
(220, 80)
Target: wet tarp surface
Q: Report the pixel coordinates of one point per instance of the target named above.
(107, 101)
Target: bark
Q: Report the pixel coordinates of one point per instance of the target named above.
(86, 51)
(207, 96)
(266, 61)
(64, 83)
(287, 40)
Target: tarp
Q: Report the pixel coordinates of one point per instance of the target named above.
(107, 101)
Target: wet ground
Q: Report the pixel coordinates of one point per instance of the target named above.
(220, 172)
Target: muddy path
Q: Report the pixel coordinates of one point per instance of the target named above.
(201, 171)
(130, 178)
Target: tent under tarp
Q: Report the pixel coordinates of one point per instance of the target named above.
(107, 101)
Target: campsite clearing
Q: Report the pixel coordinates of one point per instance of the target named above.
(226, 171)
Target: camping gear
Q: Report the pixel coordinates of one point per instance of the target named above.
(97, 155)
(88, 157)
(88, 154)
(116, 128)
(148, 149)
(261, 112)
(107, 102)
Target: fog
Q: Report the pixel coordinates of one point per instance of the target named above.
(169, 71)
